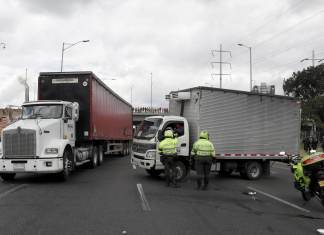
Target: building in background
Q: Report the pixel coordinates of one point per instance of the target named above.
(264, 89)
(8, 115)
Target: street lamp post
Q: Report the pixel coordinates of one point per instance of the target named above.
(151, 90)
(250, 49)
(66, 46)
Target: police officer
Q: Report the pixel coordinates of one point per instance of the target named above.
(168, 152)
(203, 152)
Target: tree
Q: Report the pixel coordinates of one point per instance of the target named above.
(308, 86)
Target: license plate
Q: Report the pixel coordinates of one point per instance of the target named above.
(19, 166)
(321, 183)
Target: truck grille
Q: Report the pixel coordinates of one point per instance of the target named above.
(142, 148)
(19, 143)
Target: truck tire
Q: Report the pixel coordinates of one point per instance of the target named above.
(181, 171)
(124, 152)
(154, 173)
(67, 166)
(253, 170)
(94, 158)
(8, 176)
(100, 155)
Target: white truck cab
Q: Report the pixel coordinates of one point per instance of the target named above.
(146, 141)
(40, 140)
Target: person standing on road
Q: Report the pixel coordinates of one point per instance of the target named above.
(203, 152)
(168, 152)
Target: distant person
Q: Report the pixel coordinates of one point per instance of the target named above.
(168, 152)
(314, 143)
(307, 146)
(203, 151)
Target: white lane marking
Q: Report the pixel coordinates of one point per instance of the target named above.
(2, 195)
(145, 205)
(279, 199)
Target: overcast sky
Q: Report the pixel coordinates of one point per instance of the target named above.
(173, 39)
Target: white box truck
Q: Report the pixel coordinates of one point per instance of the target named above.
(247, 129)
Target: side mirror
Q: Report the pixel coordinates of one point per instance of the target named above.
(160, 135)
(75, 112)
(65, 119)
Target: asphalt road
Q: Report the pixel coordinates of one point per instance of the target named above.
(116, 199)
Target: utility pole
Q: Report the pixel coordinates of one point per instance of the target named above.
(313, 59)
(220, 62)
(131, 93)
(151, 90)
(26, 89)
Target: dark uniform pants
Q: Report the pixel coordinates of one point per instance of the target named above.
(169, 169)
(203, 165)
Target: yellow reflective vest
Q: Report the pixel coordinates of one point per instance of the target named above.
(203, 148)
(168, 146)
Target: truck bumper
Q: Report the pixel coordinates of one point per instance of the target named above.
(49, 165)
(139, 161)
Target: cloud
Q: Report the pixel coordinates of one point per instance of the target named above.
(57, 7)
(171, 39)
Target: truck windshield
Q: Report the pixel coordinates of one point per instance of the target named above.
(148, 128)
(42, 111)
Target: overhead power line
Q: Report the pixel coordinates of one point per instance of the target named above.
(290, 28)
(275, 17)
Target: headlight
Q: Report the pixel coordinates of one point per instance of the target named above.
(150, 155)
(51, 150)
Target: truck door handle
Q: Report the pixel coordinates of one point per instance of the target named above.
(183, 145)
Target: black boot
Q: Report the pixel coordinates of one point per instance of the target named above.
(198, 184)
(206, 181)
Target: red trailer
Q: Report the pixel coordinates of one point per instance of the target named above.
(105, 118)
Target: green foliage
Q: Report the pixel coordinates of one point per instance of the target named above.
(308, 86)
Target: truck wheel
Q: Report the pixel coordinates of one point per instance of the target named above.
(8, 176)
(154, 173)
(94, 158)
(253, 170)
(181, 170)
(67, 166)
(128, 152)
(100, 155)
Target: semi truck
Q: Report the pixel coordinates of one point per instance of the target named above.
(247, 129)
(76, 120)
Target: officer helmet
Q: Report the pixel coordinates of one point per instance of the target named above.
(168, 134)
(204, 135)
